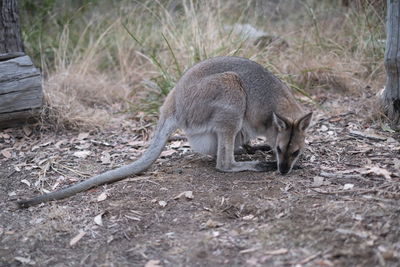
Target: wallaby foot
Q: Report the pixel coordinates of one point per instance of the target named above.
(239, 166)
(267, 166)
(248, 149)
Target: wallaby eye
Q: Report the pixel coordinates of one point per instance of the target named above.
(296, 153)
(278, 149)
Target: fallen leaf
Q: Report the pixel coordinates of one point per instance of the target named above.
(324, 128)
(76, 238)
(252, 261)
(98, 219)
(167, 153)
(82, 136)
(348, 186)
(387, 253)
(82, 154)
(105, 158)
(27, 130)
(102, 197)
(84, 145)
(186, 194)
(175, 144)
(59, 143)
(162, 203)
(153, 263)
(318, 181)
(137, 144)
(25, 260)
(5, 136)
(26, 182)
(396, 163)
(6, 152)
(248, 217)
(277, 251)
(213, 224)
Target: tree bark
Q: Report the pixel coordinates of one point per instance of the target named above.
(10, 33)
(21, 95)
(391, 94)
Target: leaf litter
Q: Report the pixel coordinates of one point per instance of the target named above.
(340, 208)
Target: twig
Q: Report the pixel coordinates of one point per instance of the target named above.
(72, 170)
(146, 179)
(11, 173)
(341, 176)
(308, 259)
(373, 137)
(336, 116)
(361, 191)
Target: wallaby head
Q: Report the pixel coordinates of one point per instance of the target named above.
(289, 140)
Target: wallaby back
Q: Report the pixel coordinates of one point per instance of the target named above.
(265, 93)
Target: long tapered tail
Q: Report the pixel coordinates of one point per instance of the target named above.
(164, 129)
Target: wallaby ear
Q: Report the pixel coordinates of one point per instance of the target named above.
(280, 122)
(304, 122)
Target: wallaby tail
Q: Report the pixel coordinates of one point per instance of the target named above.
(164, 129)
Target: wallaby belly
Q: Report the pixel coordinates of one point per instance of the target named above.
(204, 143)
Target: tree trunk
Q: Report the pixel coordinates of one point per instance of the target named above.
(21, 95)
(10, 33)
(391, 94)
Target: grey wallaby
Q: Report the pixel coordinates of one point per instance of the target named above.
(221, 104)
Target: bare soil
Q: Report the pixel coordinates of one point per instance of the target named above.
(340, 208)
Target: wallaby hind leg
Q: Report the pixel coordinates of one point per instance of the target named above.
(225, 156)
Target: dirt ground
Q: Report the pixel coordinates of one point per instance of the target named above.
(341, 207)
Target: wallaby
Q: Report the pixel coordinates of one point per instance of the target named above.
(221, 104)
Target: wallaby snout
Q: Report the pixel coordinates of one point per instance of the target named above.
(284, 168)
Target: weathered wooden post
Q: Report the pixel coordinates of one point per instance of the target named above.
(21, 95)
(391, 95)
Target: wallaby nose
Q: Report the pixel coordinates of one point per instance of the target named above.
(283, 169)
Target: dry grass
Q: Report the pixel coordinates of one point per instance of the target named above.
(126, 56)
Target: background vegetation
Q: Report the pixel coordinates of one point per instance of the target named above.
(101, 57)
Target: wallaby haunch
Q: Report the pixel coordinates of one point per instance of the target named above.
(221, 104)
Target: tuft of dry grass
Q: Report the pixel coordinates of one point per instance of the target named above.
(126, 56)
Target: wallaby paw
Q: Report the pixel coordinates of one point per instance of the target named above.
(248, 149)
(266, 166)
